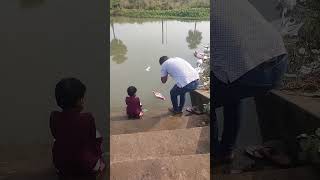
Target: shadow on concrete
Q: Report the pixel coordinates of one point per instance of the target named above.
(204, 141)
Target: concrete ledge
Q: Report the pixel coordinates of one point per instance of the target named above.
(167, 122)
(284, 117)
(309, 105)
(200, 97)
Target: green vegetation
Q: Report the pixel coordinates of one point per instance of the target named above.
(158, 4)
(182, 9)
(194, 13)
(311, 30)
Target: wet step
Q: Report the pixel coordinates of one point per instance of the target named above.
(122, 116)
(298, 173)
(187, 167)
(146, 145)
(166, 122)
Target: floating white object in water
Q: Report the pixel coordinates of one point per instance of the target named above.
(158, 95)
(148, 68)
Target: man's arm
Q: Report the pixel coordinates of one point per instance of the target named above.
(164, 79)
(164, 74)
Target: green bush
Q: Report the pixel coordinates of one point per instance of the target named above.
(311, 29)
(191, 13)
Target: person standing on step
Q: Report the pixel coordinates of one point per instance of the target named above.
(186, 77)
(248, 60)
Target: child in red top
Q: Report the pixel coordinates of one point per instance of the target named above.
(77, 144)
(134, 107)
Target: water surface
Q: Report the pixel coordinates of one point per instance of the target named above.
(138, 43)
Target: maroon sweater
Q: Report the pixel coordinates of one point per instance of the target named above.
(76, 149)
(133, 106)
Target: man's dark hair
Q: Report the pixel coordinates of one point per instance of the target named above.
(163, 59)
(68, 92)
(131, 90)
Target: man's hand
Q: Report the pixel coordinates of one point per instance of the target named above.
(164, 79)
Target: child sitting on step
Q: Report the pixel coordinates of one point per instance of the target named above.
(77, 148)
(134, 107)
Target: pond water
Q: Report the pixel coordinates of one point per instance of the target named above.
(138, 43)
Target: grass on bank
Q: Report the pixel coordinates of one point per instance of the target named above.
(191, 13)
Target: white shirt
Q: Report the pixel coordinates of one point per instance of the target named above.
(241, 38)
(180, 70)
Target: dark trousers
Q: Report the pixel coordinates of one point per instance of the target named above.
(256, 82)
(181, 92)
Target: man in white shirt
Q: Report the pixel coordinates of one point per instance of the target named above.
(186, 77)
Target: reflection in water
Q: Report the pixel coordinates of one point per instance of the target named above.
(118, 49)
(162, 31)
(166, 35)
(194, 37)
(31, 3)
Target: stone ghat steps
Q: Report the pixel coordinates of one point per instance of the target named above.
(157, 123)
(183, 167)
(156, 144)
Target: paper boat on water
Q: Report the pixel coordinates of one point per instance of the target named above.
(158, 95)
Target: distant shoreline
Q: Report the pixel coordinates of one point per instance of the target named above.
(190, 13)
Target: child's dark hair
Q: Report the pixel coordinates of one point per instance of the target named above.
(68, 92)
(131, 90)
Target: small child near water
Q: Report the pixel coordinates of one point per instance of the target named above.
(134, 107)
(77, 148)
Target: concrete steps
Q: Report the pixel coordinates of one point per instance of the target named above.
(308, 173)
(156, 123)
(186, 167)
(159, 146)
(146, 145)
